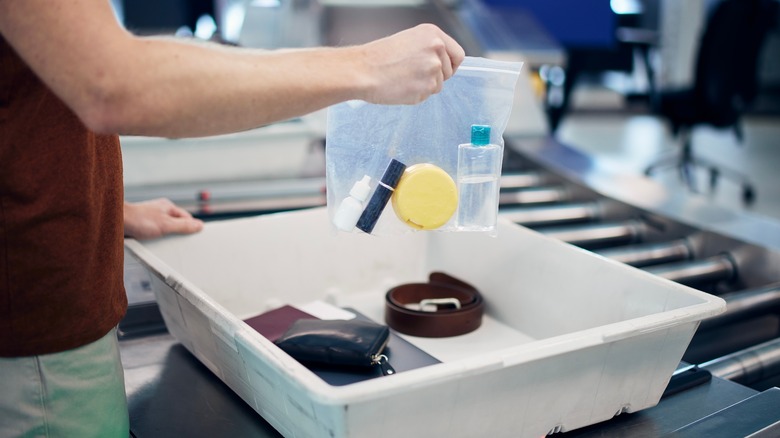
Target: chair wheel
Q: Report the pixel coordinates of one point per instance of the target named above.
(714, 175)
(748, 194)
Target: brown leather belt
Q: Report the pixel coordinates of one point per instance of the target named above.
(445, 306)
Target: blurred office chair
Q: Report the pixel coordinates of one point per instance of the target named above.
(584, 29)
(725, 84)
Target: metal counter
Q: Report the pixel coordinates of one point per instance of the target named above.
(171, 394)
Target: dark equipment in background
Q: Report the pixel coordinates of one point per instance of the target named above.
(725, 85)
(595, 37)
(164, 16)
(623, 44)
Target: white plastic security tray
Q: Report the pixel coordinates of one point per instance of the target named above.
(569, 339)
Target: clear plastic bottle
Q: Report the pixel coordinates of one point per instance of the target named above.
(352, 206)
(479, 169)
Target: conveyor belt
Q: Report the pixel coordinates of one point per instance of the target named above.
(741, 344)
(536, 197)
(735, 344)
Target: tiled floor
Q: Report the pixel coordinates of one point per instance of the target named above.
(631, 142)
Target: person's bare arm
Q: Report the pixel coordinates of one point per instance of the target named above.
(157, 218)
(120, 83)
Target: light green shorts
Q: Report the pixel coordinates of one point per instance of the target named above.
(76, 393)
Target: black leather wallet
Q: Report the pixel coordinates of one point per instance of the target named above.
(348, 343)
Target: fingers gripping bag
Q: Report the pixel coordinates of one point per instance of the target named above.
(436, 165)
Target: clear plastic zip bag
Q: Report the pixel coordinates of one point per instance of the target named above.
(431, 166)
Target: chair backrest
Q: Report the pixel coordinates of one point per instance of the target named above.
(726, 80)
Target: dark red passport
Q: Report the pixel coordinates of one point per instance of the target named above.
(274, 323)
(401, 354)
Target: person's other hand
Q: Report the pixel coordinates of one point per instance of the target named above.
(156, 218)
(406, 68)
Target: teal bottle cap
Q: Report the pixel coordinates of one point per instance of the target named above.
(480, 135)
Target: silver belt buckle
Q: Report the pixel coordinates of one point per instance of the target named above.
(432, 304)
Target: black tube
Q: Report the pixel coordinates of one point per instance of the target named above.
(376, 205)
(745, 304)
(599, 235)
(710, 270)
(650, 253)
(749, 365)
(551, 215)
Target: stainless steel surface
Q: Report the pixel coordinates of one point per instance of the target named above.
(600, 234)
(713, 269)
(171, 394)
(754, 417)
(650, 253)
(748, 366)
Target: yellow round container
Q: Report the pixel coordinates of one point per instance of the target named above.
(426, 197)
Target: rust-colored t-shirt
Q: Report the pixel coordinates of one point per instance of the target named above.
(61, 231)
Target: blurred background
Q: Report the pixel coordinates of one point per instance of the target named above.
(596, 73)
(643, 130)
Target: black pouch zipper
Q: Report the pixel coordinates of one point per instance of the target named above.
(379, 359)
(383, 363)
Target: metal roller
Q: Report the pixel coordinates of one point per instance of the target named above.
(602, 234)
(710, 344)
(552, 215)
(748, 366)
(522, 179)
(745, 304)
(533, 195)
(651, 253)
(710, 270)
